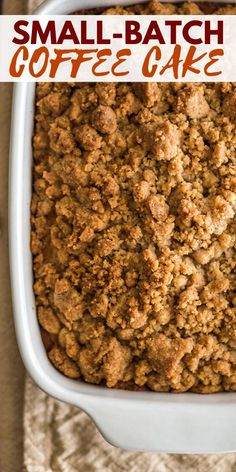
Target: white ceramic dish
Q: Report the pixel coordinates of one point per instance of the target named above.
(162, 422)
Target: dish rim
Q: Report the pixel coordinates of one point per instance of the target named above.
(183, 407)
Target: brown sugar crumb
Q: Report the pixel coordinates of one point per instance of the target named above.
(161, 140)
(159, 209)
(104, 119)
(48, 320)
(62, 362)
(67, 300)
(193, 103)
(133, 228)
(87, 137)
(229, 104)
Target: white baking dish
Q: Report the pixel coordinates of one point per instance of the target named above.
(162, 422)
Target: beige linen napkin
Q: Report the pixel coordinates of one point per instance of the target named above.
(61, 438)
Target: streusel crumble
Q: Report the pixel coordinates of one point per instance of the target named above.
(133, 229)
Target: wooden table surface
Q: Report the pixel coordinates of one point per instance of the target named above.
(11, 369)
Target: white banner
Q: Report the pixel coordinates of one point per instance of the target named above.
(181, 48)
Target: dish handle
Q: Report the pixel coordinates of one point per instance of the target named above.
(165, 427)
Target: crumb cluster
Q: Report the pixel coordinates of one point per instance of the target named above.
(133, 229)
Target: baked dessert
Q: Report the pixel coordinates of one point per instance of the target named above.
(133, 229)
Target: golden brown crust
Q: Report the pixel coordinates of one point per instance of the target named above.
(62, 362)
(133, 229)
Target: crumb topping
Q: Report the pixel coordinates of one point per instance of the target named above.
(133, 228)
